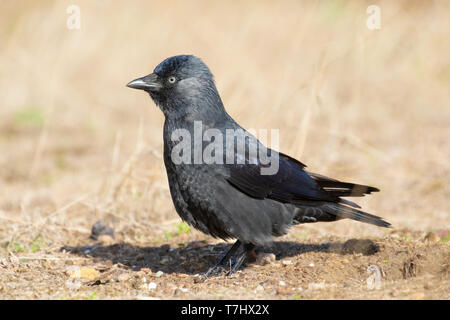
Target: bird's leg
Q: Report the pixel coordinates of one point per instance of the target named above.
(224, 258)
(247, 253)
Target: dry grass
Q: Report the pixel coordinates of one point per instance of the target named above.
(78, 146)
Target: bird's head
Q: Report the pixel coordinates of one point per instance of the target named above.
(180, 82)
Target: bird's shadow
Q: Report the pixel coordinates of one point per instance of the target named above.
(197, 258)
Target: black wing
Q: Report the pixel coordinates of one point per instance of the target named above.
(292, 183)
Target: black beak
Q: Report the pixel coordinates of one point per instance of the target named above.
(147, 83)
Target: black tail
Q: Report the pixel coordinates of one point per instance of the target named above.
(344, 212)
(341, 189)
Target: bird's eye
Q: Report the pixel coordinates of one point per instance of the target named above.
(172, 79)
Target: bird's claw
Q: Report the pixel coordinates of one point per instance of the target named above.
(226, 268)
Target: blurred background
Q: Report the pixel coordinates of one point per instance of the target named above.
(367, 106)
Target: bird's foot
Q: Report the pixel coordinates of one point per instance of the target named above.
(229, 263)
(227, 268)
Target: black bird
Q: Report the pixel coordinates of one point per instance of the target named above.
(235, 200)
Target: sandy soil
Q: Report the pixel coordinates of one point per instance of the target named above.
(400, 265)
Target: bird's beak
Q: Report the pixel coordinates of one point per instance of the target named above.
(147, 83)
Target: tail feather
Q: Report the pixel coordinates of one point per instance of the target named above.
(341, 189)
(350, 203)
(344, 212)
(341, 208)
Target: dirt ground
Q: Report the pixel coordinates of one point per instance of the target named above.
(367, 106)
(409, 266)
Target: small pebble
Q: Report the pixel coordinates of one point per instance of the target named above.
(316, 286)
(159, 274)
(287, 262)
(259, 288)
(3, 262)
(283, 290)
(123, 277)
(85, 273)
(178, 291)
(152, 285)
(282, 283)
(265, 258)
(69, 262)
(198, 280)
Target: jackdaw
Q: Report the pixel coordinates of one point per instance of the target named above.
(232, 197)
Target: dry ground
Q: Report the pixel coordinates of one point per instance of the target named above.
(79, 147)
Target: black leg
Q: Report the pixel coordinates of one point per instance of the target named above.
(248, 251)
(224, 258)
(234, 263)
